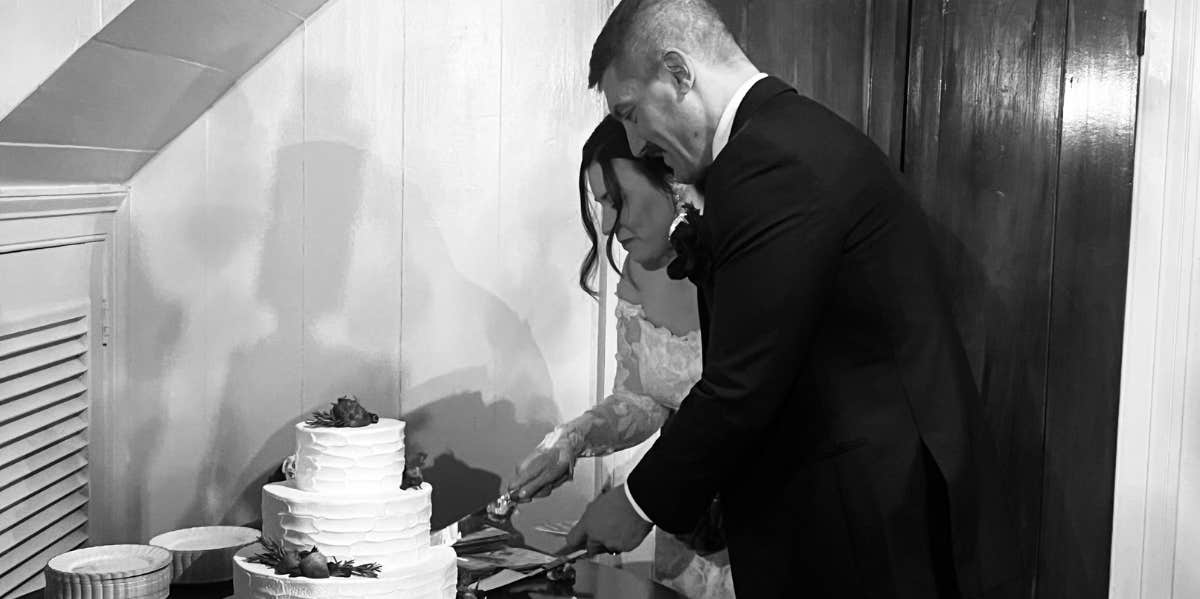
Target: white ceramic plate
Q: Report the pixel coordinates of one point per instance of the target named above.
(205, 553)
(110, 561)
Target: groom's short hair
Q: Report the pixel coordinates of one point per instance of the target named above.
(638, 31)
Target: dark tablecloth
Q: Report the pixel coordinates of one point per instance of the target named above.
(592, 580)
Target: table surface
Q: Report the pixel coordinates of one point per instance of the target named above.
(591, 580)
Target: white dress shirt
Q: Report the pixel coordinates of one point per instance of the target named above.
(720, 140)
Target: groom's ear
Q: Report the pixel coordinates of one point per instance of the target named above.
(681, 70)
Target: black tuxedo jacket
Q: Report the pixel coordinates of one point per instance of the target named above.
(836, 415)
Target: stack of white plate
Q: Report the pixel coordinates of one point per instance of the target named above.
(110, 572)
(205, 553)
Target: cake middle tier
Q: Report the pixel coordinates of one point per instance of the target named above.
(390, 528)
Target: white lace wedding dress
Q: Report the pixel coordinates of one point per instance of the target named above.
(655, 370)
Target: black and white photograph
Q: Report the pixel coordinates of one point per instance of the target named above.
(616, 299)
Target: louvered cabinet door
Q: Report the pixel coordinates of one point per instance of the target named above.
(55, 268)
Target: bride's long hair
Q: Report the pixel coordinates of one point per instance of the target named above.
(607, 143)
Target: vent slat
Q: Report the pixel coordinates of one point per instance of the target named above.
(23, 469)
(61, 316)
(36, 583)
(40, 400)
(21, 427)
(18, 344)
(41, 379)
(31, 569)
(43, 539)
(40, 480)
(40, 358)
(14, 515)
(25, 531)
(44, 399)
(40, 440)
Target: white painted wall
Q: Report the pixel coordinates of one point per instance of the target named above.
(384, 206)
(37, 36)
(1156, 523)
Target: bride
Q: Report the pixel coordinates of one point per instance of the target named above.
(658, 348)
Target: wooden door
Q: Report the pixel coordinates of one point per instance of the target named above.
(1013, 122)
(848, 54)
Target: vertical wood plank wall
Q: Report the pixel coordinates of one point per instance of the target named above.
(384, 206)
(1013, 123)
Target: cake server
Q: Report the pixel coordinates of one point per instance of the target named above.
(496, 511)
(506, 577)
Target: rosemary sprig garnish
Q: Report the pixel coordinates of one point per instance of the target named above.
(309, 564)
(272, 556)
(346, 569)
(325, 418)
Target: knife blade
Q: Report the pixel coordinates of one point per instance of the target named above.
(506, 577)
(494, 511)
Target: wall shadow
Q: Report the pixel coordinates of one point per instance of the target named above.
(478, 416)
(472, 448)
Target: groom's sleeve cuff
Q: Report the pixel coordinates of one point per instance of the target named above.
(636, 508)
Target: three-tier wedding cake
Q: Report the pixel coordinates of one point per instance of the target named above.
(345, 499)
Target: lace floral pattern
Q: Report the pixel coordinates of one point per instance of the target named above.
(655, 371)
(667, 364)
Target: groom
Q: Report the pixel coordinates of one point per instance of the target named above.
(836, 415)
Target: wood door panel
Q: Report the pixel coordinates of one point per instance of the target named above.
(1013, 123)
(818, 46)
(1086, 327)
(981, 152)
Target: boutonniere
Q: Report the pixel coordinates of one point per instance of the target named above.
(690, 241)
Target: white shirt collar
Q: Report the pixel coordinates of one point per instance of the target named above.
(725, 125)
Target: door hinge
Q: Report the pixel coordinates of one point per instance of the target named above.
(105, 323)
(1141, 34)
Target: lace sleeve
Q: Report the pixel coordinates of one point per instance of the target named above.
(625, 418)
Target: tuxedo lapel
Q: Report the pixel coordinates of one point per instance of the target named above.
(760, 93)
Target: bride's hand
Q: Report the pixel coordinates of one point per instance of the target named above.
(540, 473)
(550, 465)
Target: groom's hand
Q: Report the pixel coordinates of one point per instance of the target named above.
(608, 525)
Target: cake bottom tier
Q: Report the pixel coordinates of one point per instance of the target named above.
(432, 576)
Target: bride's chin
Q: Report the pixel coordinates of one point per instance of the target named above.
(657, 262)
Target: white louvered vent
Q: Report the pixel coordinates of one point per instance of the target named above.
(43, 444)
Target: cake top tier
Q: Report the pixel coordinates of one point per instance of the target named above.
(350, 460)
(385, 428)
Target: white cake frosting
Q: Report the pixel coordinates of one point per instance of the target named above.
(351, 459)
(433, 576)
(344, 498)
(389, 528)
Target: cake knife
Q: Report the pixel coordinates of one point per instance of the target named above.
(506, 577)
(495, 511)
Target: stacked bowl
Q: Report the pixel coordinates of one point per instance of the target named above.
(110, 572)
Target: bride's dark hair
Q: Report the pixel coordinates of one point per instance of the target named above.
(607, 143)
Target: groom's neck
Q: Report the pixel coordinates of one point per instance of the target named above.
(721, 82)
